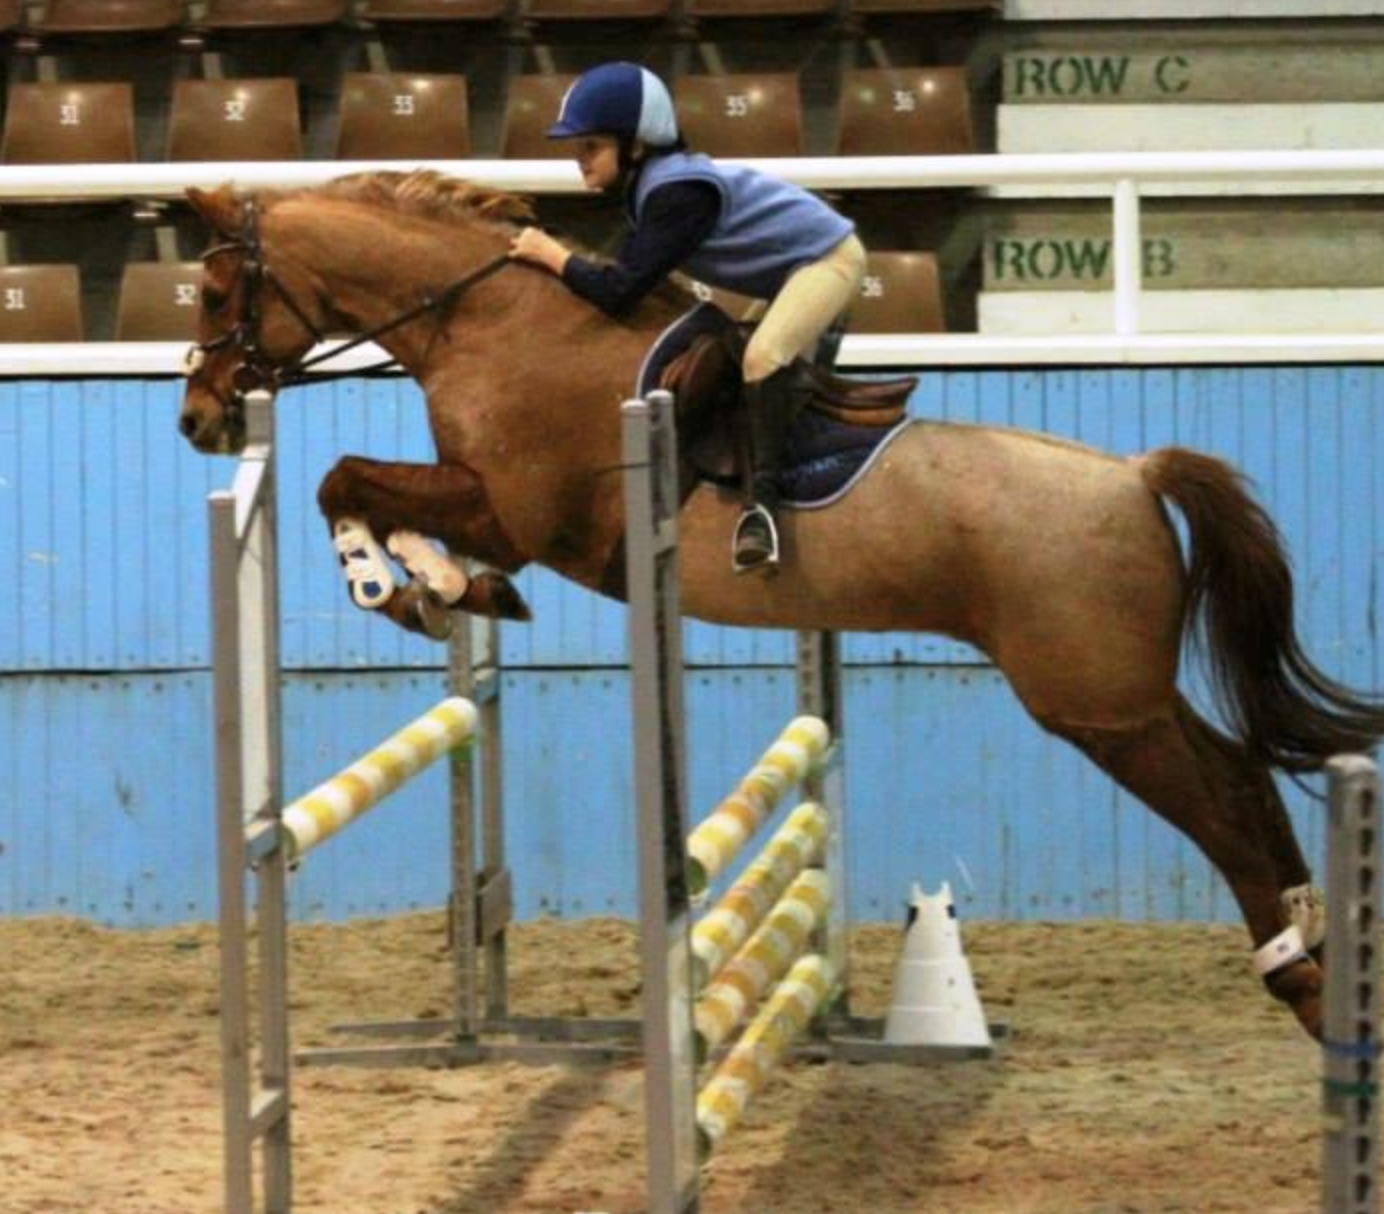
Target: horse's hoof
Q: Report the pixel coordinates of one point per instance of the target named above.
(423, 611)
(500, 599)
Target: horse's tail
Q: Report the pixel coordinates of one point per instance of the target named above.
(1240, 601)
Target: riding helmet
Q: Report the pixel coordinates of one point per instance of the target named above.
(620, 99)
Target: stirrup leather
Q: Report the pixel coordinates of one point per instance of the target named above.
(750, 516)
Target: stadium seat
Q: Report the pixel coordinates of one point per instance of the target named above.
(159, 301)
(410, 11)
(760, 8)
(40, 303)
(597, 10)
(530, 110)
(229, 15)
(235, 120)
(902, 293)
(905, 7)
(403, 116)
(741, 115)
(906, 111)
(108, 16)
(69, 123)
(11, 13)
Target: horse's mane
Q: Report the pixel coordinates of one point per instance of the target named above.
(431, 194)
(434, 195)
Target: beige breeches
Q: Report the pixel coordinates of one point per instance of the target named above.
(799, 314)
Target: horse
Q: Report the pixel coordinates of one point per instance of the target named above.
(1070, 578)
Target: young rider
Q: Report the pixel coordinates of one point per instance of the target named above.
(728, 226)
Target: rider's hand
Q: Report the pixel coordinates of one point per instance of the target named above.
(535, 245)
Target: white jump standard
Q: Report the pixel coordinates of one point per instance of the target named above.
(256, 831)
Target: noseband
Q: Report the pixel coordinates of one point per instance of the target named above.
(256, 369)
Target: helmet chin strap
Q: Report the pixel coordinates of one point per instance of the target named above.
(632, 153)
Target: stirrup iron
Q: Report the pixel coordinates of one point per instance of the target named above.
(769, 558)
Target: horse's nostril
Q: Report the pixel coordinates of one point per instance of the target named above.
(187, 424)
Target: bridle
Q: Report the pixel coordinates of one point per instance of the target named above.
(256, 369)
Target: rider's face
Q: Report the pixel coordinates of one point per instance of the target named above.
(598, 158)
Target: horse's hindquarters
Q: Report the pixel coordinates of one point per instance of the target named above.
(1053, 558)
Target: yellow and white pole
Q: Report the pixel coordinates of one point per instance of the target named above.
(717, 840)
(746, 1069)
(719, 934)
(780, 940)
(372, 777)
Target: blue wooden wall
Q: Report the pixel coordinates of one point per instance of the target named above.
(105, 750)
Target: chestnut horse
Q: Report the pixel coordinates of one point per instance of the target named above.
(1070, 578)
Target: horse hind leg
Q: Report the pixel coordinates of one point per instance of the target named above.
(1204, 784)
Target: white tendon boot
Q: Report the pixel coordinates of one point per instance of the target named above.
(364, 563)
(434, 568)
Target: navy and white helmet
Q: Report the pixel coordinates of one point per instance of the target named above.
(619, 99)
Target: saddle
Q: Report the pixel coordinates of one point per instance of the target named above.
(706, 383)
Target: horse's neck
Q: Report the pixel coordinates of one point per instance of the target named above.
(374, 271)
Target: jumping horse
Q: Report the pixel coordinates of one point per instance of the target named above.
(1058, 561)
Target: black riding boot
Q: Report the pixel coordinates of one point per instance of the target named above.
(773, 404)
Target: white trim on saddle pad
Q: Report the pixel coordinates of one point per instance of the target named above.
(832, 498)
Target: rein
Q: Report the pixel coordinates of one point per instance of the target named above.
(257, 371)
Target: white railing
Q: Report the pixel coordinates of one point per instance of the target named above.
(1125, 176)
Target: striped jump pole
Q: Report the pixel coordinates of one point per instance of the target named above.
(720, 933)
(723, 833)
(754, 944)
(777, 943)
(342, 799)
(762, 1046)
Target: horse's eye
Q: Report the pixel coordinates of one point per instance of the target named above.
(213, 299)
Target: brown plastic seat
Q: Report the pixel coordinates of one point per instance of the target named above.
(403, 116)
(416, 11)
(530, 109)
(272, 14)
(108, 16)
(927, 6)
(159, 301)
(906, 112)
(760, 8)
(741, 115)
(40, 303)
(235, 120)
(902, 293)
(598, 10)
(69, 123)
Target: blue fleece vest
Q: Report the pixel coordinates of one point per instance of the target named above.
(768, 228)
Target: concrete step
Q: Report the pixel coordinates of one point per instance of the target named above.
(1173, 10)
(1209, 127)
(1210, 244)
(1305, 310)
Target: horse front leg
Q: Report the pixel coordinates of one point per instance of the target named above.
(365, 499)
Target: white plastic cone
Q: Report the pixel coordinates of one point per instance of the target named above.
(935, 1000)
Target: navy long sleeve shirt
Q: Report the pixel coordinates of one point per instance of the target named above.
(676, 219)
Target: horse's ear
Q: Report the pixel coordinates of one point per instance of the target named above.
(220, 208)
